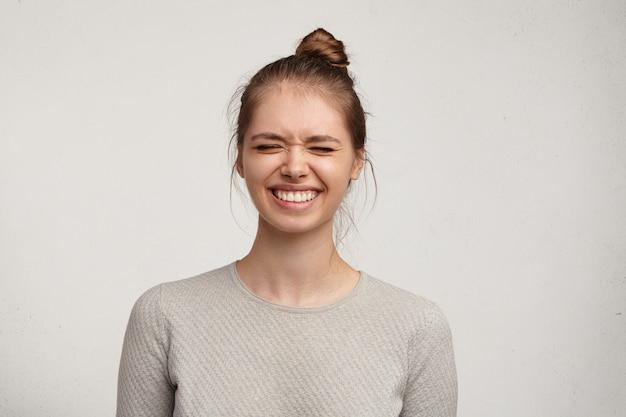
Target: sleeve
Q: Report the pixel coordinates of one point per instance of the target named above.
(431, 389)
(144, 387)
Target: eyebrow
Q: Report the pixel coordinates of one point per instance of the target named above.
(322, 138)
(310, 139)
(267, 135)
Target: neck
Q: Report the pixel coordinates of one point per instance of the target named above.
(300, 270)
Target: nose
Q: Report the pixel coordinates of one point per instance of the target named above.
(295, 164)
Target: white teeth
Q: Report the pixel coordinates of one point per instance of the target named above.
(295, 196)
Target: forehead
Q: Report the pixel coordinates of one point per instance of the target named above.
(295, 108)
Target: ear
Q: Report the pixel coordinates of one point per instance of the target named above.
(357, 165)
(239, 166)
(239, 163)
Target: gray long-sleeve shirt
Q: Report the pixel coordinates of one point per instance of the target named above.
(206, 346)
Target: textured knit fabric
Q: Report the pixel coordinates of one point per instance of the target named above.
(206, 346)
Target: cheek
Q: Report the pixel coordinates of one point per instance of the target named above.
(256, 169)
(338, 174)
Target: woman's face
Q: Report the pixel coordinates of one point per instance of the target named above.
(297, 160)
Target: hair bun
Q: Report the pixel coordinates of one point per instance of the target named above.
(322, 45)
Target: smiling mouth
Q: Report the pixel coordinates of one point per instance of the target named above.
(295, 196)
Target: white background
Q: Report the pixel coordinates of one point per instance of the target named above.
(498, 133)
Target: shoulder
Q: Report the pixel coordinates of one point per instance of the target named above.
(187, 292)
(404, 307)
(398, 299)
(198, 286)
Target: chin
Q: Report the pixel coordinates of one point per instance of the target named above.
(296, 226)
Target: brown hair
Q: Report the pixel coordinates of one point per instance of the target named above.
(320, 65)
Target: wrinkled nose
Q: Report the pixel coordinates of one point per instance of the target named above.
(295, 164)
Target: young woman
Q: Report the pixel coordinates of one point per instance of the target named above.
(290, 329)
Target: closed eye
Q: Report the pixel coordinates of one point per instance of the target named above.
(269, 148)
(321, 149)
